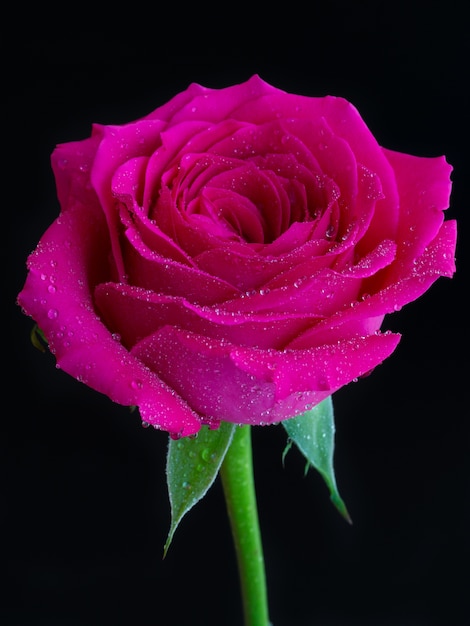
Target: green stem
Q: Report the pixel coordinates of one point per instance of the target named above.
(240, 497)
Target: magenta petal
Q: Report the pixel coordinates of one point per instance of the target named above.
(322, 368)
(224, 382)
(56, 294)
(72, 163)
(346, 122)
(127, 188)
(168, 110)
(150, 270)
(186, 137)
(201, 370)
(334, 156)
(367, 314)
(382, 256)
(117, 145)
(424, 185)
(222, 103)
(134, 313)
(314, 296)
(248, 271)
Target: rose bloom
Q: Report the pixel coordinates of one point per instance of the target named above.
(232, 255)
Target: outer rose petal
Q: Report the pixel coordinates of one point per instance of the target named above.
(222, 103)
(57, 295)
(202, 370)
(323, 368)
(71, 164)
(366, 315)
(249, 386)
(424, 186)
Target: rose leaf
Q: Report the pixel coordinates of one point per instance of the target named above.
(192, 465)
(313, 433)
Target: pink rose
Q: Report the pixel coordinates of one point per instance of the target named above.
(232, 255)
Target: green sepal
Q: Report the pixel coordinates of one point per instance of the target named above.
(192, 465)
(313, 433)
(38, 339)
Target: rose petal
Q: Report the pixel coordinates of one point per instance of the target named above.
(69, 258)
(314, 296)
(127, 186)
(366, 315)
(222, 103)
(222, 381)
(345, 122)
(134, 313)
(150, 270)
(201, 371)
(186, 137)
(117, 145)
(247, 272)
(325, 367)
(424, 186)
(72, 163)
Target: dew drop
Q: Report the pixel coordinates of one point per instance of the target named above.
(208, 456)
(52, 314)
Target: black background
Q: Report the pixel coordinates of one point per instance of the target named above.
(84, 505)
